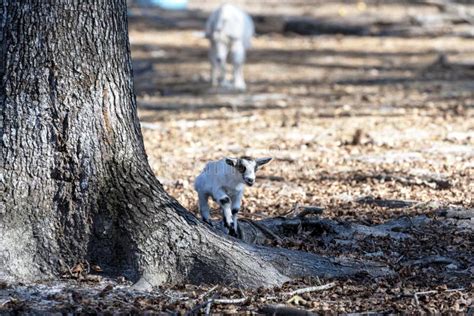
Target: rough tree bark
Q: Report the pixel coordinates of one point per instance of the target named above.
(75, 178)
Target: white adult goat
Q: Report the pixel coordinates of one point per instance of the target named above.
(229, 29)
(224, 180)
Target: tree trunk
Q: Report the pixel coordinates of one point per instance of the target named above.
(76, 181)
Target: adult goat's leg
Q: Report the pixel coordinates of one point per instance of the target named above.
(238, 59)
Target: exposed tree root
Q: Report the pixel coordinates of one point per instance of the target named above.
(426, 261)
(293, 264)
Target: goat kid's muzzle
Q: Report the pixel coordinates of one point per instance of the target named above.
(249, 182)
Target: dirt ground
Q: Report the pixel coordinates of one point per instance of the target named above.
(346, 118)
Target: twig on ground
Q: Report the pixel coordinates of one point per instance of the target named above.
(399, 259)
(422, 293)
(209, 303)
(241, 291)
(70, 271)
(318, 280)
(434, 292)
(5, 302)
(229, 301)
(207, 311)
(208, 292)
(198, 307)
(88, 269)
(312, 289)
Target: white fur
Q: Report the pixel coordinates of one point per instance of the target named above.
(221, 180)
(229, 29)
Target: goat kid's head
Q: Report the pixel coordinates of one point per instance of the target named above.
(247, 167)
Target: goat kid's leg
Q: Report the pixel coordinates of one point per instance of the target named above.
(238, 59)
(226, 212)
(225, 204)
(236, 203)
(204, 207)
(235, 226)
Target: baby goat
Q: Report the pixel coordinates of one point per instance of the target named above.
(224, 180)
(228, 29)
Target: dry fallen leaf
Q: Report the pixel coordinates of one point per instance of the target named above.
(297, 300)
(96, 268)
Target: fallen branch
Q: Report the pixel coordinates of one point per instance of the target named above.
(457, 213)
(310, 210)
(386, 203)
(430, 260)
(312, 289)
(277, 228)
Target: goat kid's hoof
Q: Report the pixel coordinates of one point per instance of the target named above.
(208, 222)
(230, 228)
(233, 232)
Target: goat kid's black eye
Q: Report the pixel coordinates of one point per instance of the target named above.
(242, 169)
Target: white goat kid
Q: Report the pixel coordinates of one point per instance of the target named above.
(224, 180)
(229, 29)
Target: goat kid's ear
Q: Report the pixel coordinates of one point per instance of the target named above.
(263, 161)
(231, 161)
